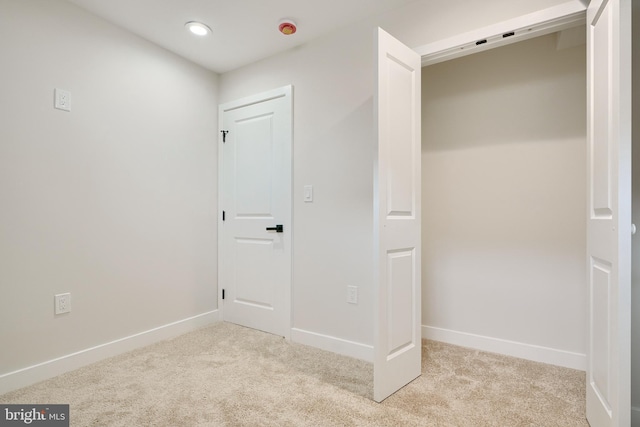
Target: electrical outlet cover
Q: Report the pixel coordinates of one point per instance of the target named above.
(62, 303)
(352, 294)
(62, 99)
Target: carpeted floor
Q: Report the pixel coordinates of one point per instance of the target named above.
(226, 375)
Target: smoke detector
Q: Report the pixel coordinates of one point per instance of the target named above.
(287, 27)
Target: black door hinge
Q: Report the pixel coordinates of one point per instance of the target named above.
(223, 294)
(224, 135)
(223, 215)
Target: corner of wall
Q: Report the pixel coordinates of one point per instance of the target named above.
(113, 201)
(51, 368)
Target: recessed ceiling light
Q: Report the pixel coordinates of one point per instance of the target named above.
(198, 28)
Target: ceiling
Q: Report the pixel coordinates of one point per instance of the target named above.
(244, 31)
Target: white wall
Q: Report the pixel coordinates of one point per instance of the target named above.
(504, 158)
(333, 141)
(115, 201)
(635, 278)
(332, 150)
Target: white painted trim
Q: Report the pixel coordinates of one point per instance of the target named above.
(51, 368)
(333, 344)
(546, 21)
(635, 416)
(256, 99)
(521, 350)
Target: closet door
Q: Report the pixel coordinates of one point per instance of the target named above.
(397, 346)
(609, 213)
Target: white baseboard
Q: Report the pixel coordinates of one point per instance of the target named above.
(635, 416)
(51, 368)
(333, 344)
(535, 353)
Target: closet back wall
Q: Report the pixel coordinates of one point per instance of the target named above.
(504, 199)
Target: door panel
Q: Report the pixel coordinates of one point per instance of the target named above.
(602, 190)
(609, 212)
(399, 109)
(258, 253)
(398, 344)
(401, 314)
(253, 151)
(255, 189)
(600, 291)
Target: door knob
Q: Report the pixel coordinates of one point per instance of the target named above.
(278, 228)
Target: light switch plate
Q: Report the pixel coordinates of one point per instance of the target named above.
(62, 99)
(308, 193)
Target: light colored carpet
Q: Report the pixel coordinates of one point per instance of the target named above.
(226, 375)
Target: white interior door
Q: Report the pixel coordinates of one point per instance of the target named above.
(255, 225)
(397, 218)
(609, 212)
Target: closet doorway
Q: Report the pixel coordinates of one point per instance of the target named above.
(477, 285)
(504, 197)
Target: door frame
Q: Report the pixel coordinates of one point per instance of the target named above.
(287, 92)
